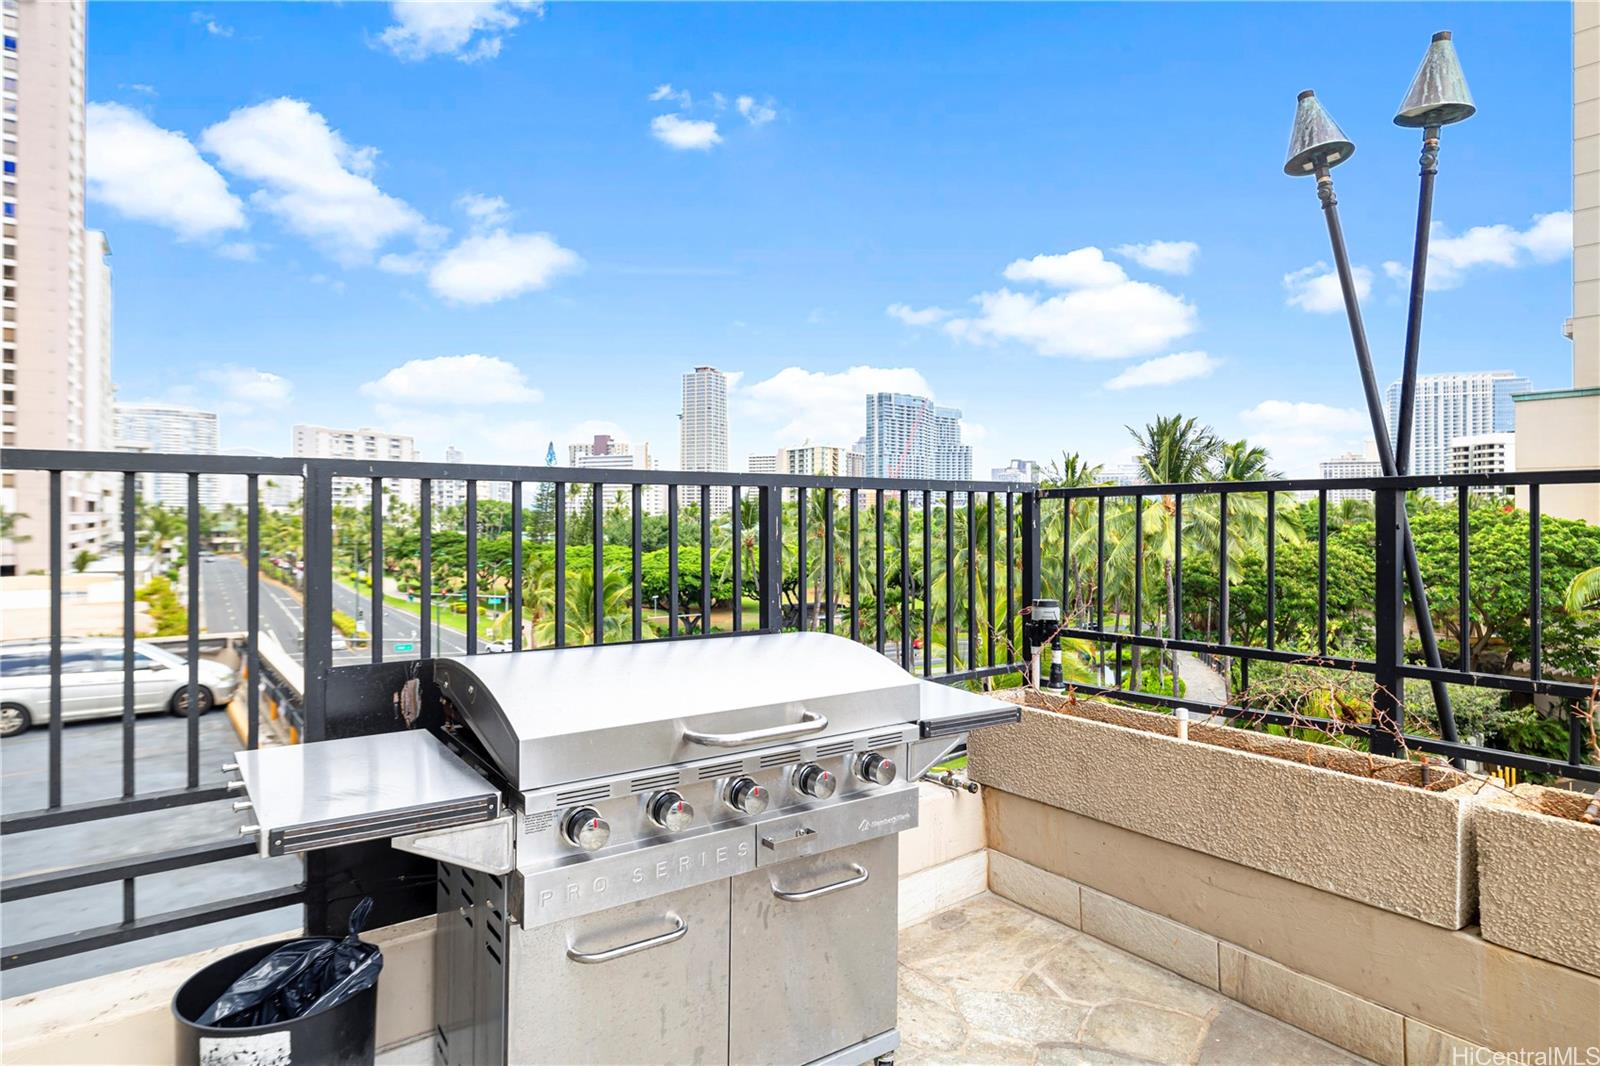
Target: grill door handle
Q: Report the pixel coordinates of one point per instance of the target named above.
(826, 890)
(810, 722)
(634, 948)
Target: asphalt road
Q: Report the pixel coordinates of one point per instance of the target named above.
(223, 608)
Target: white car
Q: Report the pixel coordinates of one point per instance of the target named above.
(91, 682)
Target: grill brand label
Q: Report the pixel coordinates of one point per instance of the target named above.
(580, 888)
(893, 823)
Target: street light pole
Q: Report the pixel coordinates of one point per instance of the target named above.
(1316, 144)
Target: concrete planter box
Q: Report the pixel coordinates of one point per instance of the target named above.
(1356, 825)
(1539, 876)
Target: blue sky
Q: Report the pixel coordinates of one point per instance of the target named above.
(1061, 219)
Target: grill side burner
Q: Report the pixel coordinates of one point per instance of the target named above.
(702, 834)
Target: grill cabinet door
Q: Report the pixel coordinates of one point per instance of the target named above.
(814, 975)
(666, 1003)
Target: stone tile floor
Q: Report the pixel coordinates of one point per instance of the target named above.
(987, 981)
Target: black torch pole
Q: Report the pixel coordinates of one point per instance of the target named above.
(1419, 271)
(1380, 432)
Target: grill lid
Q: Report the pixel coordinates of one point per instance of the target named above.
(548, 719)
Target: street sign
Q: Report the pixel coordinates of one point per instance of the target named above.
(405, 647)
(495, 601)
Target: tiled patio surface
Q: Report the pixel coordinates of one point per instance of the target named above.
(987, 981)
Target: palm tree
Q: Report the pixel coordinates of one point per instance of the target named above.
(1583, 593)
(159, 527)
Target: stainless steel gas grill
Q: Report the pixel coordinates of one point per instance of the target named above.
(698, 859)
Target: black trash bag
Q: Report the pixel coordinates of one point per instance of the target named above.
(300, 978)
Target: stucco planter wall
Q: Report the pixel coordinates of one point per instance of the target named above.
(1539, 876)
(1345, 822)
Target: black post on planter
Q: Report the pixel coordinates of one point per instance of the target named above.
(1388, 710)
(1317, 144)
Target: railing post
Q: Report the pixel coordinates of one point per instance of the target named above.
(317, 530)
(1031, 584)
(1388, 707)
(769, 536)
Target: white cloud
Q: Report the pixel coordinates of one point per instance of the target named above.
(241, 390)
(1165, 370)
(796, 404)
(1113, 322)
(1300, 435)
(155, 175)
(684, 134)
(209, 21)
(757, 114)
(453, 380)
(242, 251)
(665, 91)
(316, 183)
(1082, 268)
(487, 267)
(1316, 288)
(485, 210)
(410, 263)
(1169, 257)
(912, 316)
(470, 30)
(1547, 238)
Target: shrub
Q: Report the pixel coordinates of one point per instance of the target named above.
(166, 612)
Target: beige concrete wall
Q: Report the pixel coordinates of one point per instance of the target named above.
(1539, 878)
(1404, 849)
(1385, 972)
(1561, 431)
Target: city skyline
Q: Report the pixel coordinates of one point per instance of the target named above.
(595, 301)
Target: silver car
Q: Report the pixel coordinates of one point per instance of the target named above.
(91, 682)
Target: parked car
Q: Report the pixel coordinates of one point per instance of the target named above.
(91, 682)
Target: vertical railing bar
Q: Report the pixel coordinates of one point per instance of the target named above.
(192, 545)
(597, 534)
(252, 610)
(989, 590)
(1138, 565)
(1067, 584)
(972, 581)
(736, 545)
(129, 910)
(927, 583)
(672, 560)
(803, 581)
(1535, 586)
(1011, 588)
(375, 570)
(472, 567)
(855, 565)
(1100, 565)
(425, 550)
(636, 544)
(560, 606)
(54, 548)
(516, 566)
(1223, 627)
(905, 581)
(1272, 570)
(769, 574)
(950, 640)
(317, 608)
(827, 557)
(705, 559)
(877, 547)
(1177, 574)
(130, 591)
(1463, 583)
(1322, 572)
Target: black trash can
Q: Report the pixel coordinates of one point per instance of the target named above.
(342, 1035)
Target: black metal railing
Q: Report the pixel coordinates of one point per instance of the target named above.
(790, 559)
(1079, 517)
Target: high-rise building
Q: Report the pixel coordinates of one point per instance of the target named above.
(169, 429)
(762, 464)
(603, 444)
(451, 493)
(1018, 471)
(1350, 464)
(812, 460)
(618, 456)
(321, 442)
(911, 437)
(54, 341)
(1454, 405)
(1485, 453)
(703, 427)
(1122, 474)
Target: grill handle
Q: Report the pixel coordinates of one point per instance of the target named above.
(589, 958)
(860, 878)
(810, 722)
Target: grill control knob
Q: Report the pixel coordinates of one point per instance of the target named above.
(814, 781)
(670, 812)
(584, 828)
(875, 769)
(746, 796)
